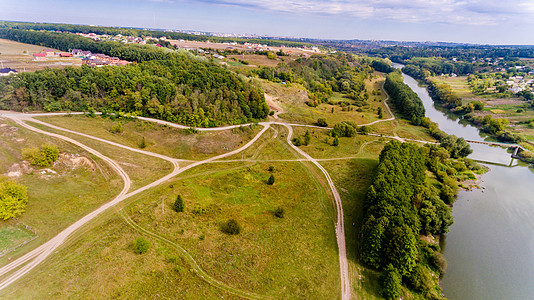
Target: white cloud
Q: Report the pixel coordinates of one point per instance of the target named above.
(463, 12)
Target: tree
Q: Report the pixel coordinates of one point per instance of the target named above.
(141, 245)
(391, 283)
(336, 142)
(270, 181)
(43, 156)
(379, 112)
(117, 128)
(13, 198)
(178, 205)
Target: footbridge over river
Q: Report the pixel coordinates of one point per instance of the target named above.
(505, 145)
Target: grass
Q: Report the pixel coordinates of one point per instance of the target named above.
(161, 139)
(141, 168)
(55, 201)
(13, 237)
(301, 263)
(19, 56)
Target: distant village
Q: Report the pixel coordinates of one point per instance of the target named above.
(88, 58)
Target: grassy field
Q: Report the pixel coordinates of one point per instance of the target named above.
(142, 169)
(161, 139)
(58, 197)
(19, 56)
(301, 263)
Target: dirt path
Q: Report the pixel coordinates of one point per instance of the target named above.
(274, 106)
(340, 225)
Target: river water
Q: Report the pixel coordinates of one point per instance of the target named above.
(490, 246)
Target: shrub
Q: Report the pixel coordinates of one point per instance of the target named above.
(178, 204)
(270, 181)
(42, 157)
(279, 212)
(322, 122)
(438, 262)
(141, 245)
(271, 168)
(142, 144)
(231, 227)
(117, 128)
(13, 198)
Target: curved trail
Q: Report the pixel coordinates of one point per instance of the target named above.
(340, 226)
(35, 257)
(194, 265)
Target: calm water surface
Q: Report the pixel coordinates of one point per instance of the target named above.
(490, 247)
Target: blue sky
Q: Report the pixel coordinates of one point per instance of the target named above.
(473, 21)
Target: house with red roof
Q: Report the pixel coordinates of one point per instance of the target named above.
(39, 56)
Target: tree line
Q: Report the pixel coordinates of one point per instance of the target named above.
(173, 86)
(400, 205)
(101, 30)
(403, 98)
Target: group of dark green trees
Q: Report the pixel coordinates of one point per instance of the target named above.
(406, 101)
(173, 86)
(400, 206)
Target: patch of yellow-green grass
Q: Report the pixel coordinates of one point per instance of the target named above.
(295, 255)
(321, 144)
(14, 236)
(59, 197)
(142, 169)
(161, 139)
(458, 84)
(497, 111)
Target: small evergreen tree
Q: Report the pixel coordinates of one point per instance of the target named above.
(336, 142)
(279, 212)
(231, 227)
(142, 145)
(178, 204)
(141, 245)
(270, 181)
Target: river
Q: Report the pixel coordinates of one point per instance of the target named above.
(490, 246)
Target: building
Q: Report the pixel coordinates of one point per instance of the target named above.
(7, 71)
(65, 54)
(39, 57)
(49, 52)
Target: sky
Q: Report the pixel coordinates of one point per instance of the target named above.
(466, 21)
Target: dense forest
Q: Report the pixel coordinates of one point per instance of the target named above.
(323, 75)
(400, 206)
(143, 33)
(174, 86)
(403, 98)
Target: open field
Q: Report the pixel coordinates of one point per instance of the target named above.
(19, 56)
(160, 139)
(59, 195)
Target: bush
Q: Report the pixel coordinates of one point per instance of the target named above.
(13, 198)
(178, 204)
(42, 157)
(322, 122)
(142, 144)
(270, 181)
(336, 142)
(141, 245)
(117, 128)
(231, 227)
(279, 212)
